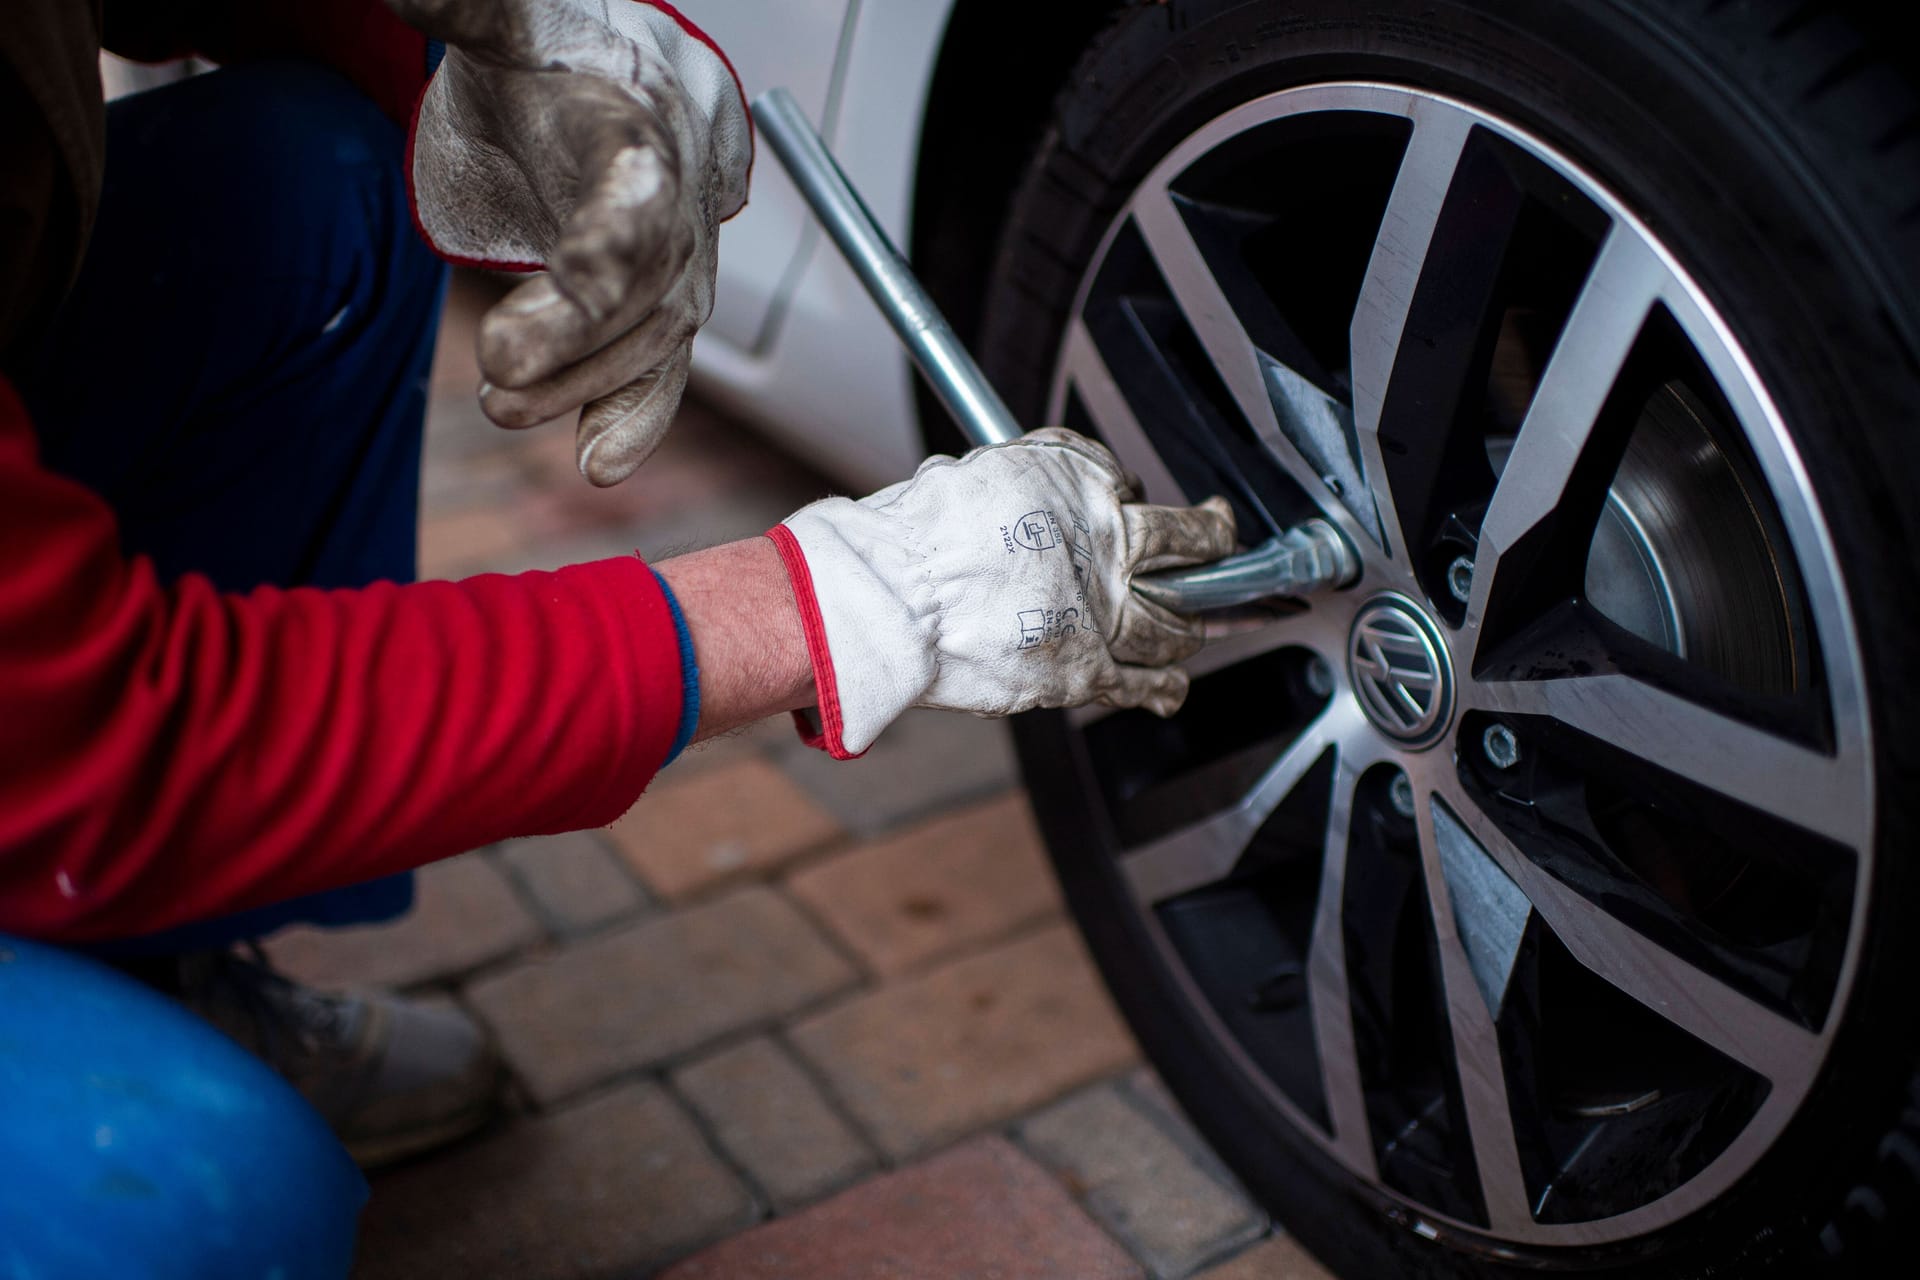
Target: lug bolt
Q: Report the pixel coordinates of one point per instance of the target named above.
(1400, 792)
(1502, 748)
(1320, 678)
(1460, 578)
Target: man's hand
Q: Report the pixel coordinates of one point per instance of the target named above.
(994, 583)
(604, 140)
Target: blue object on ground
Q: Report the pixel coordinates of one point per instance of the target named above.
(141, 1144)
(241, 368)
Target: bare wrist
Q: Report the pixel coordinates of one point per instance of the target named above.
(746, 632)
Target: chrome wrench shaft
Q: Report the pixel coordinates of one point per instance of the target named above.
(1308, 558)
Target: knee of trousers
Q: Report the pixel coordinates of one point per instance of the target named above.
(142, 1142)
(295, 173)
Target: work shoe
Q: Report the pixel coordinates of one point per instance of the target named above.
(393, 1077)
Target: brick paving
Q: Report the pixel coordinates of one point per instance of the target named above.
(792, 1017)
(692, 834)
(970, 1044)
(935, 888)
(982, 1210)
(767, 1113)
(656, 990)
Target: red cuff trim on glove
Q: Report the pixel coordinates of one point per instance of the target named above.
(828, 737)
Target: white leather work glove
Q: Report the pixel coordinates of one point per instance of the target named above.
(993, 583)
(604, 140)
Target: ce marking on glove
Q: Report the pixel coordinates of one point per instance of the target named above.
(1036, 531)
(1044, 626)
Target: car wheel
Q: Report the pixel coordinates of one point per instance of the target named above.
(1539, 901)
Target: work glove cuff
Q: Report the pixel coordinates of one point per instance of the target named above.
(880, 621)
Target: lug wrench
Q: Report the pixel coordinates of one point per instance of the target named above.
(1307, 558)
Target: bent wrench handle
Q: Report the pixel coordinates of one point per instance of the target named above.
(1303, 560)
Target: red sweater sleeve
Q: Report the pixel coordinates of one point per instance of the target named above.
(173, 753)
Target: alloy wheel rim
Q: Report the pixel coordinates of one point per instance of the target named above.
(1504, 892)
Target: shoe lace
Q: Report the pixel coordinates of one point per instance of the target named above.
(284, 1016)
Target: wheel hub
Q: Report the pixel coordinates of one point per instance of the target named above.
(1400, 672)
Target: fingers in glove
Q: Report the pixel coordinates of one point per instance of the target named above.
(1152, 636)
(626, 243)
(643, 348)
(618, 432)
(1161, 537)
(1160, 690)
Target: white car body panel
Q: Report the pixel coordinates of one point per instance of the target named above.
(794, 344)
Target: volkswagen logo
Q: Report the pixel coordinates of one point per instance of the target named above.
(1400, 671)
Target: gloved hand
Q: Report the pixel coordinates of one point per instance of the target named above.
(605, 140)
(994, 583)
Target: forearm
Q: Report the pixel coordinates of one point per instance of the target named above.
(747, 638)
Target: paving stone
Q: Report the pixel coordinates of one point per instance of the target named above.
(981, 1210)
(464, 915)
(574, 879)
(1280, 1258)
(969, 1044)
(693, 833)
(1148, 1091)
(457, 544)
(771, 1119)
(759, 739)
(616, 1185)
(1139, 1183)
(935, 887)
(656, 989)
(925, 761)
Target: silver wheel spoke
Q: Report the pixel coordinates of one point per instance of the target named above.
(1695, 1001)
(1329, 993)
(1380, 315)
(1225, 340)
(1476, 1048)
(1207, 851)
(1612, 308)
(1114, 419)
(1734, 759)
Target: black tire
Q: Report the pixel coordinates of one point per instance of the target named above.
(1778, 153)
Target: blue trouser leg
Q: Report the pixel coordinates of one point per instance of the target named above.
(138, 1143)
(241, 368)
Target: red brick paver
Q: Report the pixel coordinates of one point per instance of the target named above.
(657, 989)
(716, 825)
(958, 879)
(574, 879)
(464, 915)
(923, 1061)
(769, 1117)
(980, 1212)
(1139, 1182)
(614, 1185)
(1277, 1259)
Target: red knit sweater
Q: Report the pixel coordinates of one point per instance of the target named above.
(172, 753)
